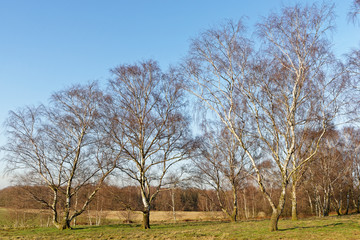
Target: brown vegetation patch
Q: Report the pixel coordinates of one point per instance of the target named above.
(160, 216)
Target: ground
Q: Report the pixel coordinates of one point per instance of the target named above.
(344, 227)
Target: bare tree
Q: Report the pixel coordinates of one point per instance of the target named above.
(274, 96)
(351, 137)
(149, 109)
(221, 164)
(301, 89)
(63, 147)
(328, 179)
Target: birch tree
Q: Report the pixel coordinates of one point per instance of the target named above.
(62, 146)
(149, 109)
(273, 95)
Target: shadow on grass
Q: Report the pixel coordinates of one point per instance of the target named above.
(107, 226)
(153, 226)
(188, 224)
(314, 227)
(78, 228)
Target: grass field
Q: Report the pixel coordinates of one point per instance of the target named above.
(345, 227)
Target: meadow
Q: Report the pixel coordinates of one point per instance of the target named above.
(191, 226)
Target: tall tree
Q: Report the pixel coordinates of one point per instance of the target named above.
(149, 108)
(273, 96)
(63, 147)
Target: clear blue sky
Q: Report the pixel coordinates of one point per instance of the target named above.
(48, 45)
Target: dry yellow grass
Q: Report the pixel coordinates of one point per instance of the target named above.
(129, 216)
(159, 216)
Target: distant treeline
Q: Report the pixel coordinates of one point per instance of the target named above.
(251, 201)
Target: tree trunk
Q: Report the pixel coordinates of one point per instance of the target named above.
(146, 218)
(319, 207)
(338, 211)
(76, 205)
(55, 219)
(326, 208)
(235, 205)
(347, 202)
(355, 201)
(253, 205)
(294, 216)
(338, 207)
(173, 204)
(54, 209)
(310, 203)
(65, 224)
(66, 220)
(146, 203)
(246, 211)
(338, 203)
(274, 220)
(233, 217)
(278, 210)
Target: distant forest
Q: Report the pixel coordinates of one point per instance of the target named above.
(252, 204)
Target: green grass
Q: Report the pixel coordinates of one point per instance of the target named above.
(345, 227)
